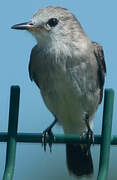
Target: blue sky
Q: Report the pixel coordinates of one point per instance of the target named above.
(98, 19)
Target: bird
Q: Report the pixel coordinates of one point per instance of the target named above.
(69, 69)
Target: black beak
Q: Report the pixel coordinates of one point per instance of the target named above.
(23, 26)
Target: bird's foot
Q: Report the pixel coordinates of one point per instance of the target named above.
(90, 136)
(90, 140)
(89, 133)
(47, 134)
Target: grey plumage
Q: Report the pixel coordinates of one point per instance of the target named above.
(98, 51)
(69, 69)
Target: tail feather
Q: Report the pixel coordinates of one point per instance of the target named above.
(79, 160)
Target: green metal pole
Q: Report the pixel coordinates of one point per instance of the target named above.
(12, 132)
(60, 139)
(106, 134)
(12, 137)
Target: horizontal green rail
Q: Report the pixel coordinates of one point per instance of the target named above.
(60, 139)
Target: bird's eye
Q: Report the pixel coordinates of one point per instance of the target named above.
(52, 22)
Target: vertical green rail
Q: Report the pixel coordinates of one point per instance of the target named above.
(12, 132)
(106, 134)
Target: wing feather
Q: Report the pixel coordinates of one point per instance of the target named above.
(33, 57)
(99, 54)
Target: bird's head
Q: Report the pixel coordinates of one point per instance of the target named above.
(52, 24)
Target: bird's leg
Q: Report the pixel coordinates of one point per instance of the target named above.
(48, 132)
(89, 133)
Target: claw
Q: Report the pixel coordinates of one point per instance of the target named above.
(44, 136)
(89, 133)
(48, 133)
(50, 143)
(90, 136)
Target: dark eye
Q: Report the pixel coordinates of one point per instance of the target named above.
(52, 22)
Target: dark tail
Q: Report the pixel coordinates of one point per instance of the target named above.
(79, 160)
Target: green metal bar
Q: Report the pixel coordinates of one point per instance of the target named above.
(60, 139)
(12, 136)
(106, 135)
(12, 132)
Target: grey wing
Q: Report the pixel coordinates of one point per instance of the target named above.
(99, 54)
(33, 58)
